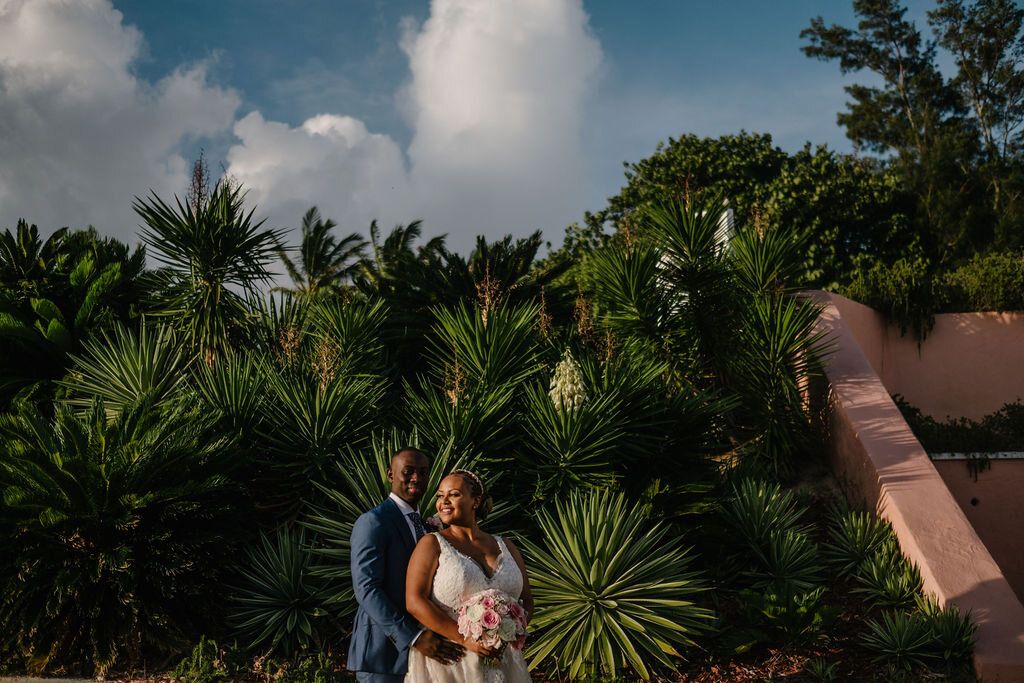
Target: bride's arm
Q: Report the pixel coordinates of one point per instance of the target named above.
(419, 581)
(526, 597)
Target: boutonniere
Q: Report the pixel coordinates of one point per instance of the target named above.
(433, 522)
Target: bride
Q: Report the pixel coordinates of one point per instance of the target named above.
(449, 566)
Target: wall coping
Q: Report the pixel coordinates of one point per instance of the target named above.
(877, 458)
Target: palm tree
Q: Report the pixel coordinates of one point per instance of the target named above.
(214, 257)
(325, 264)
(25, 260)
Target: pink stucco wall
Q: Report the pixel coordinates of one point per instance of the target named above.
(877, 458)
(970, 364)
(992, 503)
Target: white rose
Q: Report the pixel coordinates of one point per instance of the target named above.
(475, 612)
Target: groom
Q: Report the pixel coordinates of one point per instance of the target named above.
(382, 541)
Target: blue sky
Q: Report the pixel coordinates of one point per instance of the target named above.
(478, 116)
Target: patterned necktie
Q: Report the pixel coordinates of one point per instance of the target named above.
(417, 524)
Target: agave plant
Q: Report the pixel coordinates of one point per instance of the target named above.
(611, 590)
(276, 603)
(887, 579)
(902, 640)
(119, 529)
(856, 537)
(758, 509)
(214, 258)
(123, 368)
(953, 634)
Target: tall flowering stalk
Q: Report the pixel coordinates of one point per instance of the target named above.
(567, 389)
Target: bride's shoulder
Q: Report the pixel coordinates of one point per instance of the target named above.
(428, 543)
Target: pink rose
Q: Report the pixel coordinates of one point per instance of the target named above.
(434, 522)
(475, 631)
(490, 640)
(516, 610)
(518, 643)
(487, 602)
(501, 609)
(490, 619)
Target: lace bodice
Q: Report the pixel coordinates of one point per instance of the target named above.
(459, 577)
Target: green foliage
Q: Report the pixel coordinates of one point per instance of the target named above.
(213, 258)
(856, 537)
(54, 294)
(904, 292)
(789, 617)
(887, 579)
(325, 263)
(821, 670)
(993, 282)
(902, 641)
(120, 529)
(758, 509)
(611, 589)
(952, 633)
(208, 663)
(122, 369)
(277, 605)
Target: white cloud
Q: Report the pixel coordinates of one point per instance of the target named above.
(331, 161)
(496, 101)
(80, 134)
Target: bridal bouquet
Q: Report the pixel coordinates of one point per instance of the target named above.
(492, 618)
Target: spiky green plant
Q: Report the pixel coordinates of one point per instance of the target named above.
(119, 528)
(887, 579)
(953, 634)
(277, 606)
(122, 368)
(490, 348)
(856, 536)
(352, 331)
(757, 509)
(767, 260)
(612, 589)
(233, 390)
(780, 351)
(474, 420)
(564, 448)
(902, 641)
(213, 258)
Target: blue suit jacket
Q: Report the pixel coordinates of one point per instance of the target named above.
(381, 546)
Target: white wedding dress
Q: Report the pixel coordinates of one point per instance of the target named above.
(459, 577)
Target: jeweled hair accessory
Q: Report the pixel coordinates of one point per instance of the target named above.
(473, 477)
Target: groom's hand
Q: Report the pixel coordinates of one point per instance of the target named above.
(438, 647)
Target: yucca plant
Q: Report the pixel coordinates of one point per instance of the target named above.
(119, 529)
(214, 257)
(612, 589)
(767, 260)
(780, 350)
(122, 368)
(856, 536)
(233, 389)
(789, 562)
(902, 640)
(352, 332)
(887, 579)
(564, 448)
(953, 634)
(757, 509)
(277, 606)
(308, 419)
(489, 348)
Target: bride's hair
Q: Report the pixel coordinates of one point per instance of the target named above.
(477, 488)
